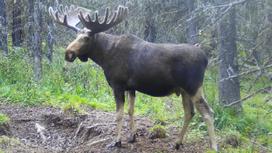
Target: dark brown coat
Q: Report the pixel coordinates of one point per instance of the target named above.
(130, 63)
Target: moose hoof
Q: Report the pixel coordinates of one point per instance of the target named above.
(132, 138)
(178, 146)
(115, 144)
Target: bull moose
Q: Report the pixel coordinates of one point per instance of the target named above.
(131, 64)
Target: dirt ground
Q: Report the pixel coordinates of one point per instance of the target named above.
(47, 129)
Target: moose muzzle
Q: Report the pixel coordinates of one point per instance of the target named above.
(70, 56)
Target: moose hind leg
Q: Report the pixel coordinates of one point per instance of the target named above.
(132, 128)
(188, 115)
(207, 115)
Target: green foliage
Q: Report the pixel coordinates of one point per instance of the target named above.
(59, 85)
(73, 106)
(4, 119)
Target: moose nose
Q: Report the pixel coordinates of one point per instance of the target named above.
(70, 56)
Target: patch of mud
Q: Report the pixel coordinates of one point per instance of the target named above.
(47, 129)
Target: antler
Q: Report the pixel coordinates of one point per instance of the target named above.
(68, 16)
(72, 16)
(96, 27)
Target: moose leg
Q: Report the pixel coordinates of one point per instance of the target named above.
(207, 115)
(131, 101)
(120, 100)
(188, 115)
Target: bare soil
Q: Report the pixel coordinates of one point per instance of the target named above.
(47, 129)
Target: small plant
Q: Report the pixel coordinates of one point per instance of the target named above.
(73, 107)
(4, 119)
(4, 126)
(157, 131)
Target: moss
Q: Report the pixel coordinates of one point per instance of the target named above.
(6, 143)
(157, 131)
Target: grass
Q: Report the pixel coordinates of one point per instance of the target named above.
(78, 85)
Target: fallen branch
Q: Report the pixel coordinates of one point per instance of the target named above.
(246, 73)
(269, 99)
(97, 142)
(40, 130)
(269, 112)
(102, 124)
(78, 129)
(247, 97)
(213, 62)
(261, 146)
(231, 3)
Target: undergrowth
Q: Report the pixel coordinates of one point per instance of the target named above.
(77, 85)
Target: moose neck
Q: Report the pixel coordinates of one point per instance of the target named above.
(103, 46)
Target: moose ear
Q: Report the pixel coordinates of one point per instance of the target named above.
(83, 58)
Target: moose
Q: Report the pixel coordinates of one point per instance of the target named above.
(131, 64)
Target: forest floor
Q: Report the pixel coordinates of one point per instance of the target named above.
(43, 129)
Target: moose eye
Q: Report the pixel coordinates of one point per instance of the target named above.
(86, 38)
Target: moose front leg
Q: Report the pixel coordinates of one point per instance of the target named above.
(188, 115)
(131, 102)
(120, 100)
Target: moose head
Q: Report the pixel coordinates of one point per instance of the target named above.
(71, 16)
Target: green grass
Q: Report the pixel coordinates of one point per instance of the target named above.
(80, 85)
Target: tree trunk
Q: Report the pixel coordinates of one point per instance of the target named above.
(268, 33)
(17, 30)
(229, 89)
(191, 29)
(30, 29)
(3, 28)
(50, 43)
(150, 32)
(37, 40)
(50, 38)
